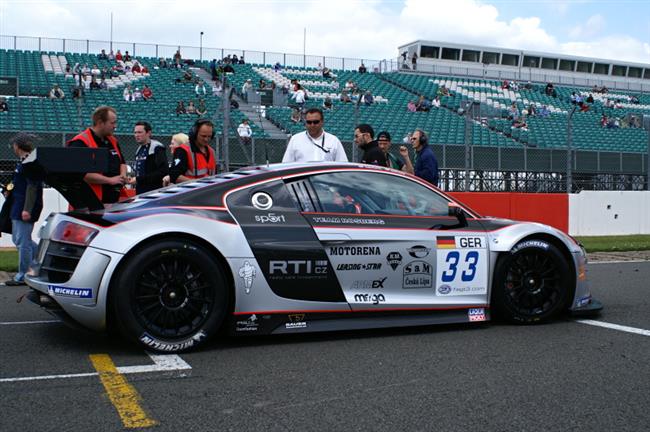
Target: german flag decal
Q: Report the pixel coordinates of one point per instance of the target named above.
(446, 242)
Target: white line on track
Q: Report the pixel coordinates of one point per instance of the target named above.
(7, 323)
(615, 327)
(162, 363)
(618, 262)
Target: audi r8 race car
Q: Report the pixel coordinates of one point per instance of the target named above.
(292, 248)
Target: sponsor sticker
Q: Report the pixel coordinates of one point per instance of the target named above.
(374, 299)
(368, 284)
(251, 324)
(60, 291)
(446, 242)
(471, 242)
(444, 289)
(394, 259)
(348, 220)
(419, 251)
(270, 218)
(476, 314)
(298, 269)
(355, 250)
(296, 321)
(149, 340)
(418, 274)
(359, 266)
(247, 272)
(583, 301)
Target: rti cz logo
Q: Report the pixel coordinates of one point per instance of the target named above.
(270, 218)
(296, 267)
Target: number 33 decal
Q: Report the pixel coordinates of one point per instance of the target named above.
(468, 266)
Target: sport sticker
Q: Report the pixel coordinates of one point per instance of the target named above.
(247, 272)
(462, 265)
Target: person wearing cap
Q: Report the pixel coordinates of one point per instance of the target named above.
(392, 161)
(27, 197)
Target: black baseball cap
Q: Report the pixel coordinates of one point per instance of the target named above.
(385, 135)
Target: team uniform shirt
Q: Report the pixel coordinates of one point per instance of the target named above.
(426, 165)
(303, 148)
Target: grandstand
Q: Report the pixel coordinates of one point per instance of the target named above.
(477, 145)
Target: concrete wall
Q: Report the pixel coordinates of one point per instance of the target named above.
(609, 213)
(52, 202)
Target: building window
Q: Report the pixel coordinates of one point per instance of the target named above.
(584, 67)
(471, 56)
(601, 68)
(549, 63)
(634, 72)
(510, 60)
(618, 70)
(429, 51)
(646, 74)
(567, 65)
(530, 61)
(490, 58)
(451, 54)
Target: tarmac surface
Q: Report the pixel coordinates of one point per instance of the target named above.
(567, 375)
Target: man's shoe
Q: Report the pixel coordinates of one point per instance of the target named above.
(15, 283)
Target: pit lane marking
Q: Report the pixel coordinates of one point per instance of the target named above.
(124, 397)
(7, 323)
(162, 363)
(618, 327)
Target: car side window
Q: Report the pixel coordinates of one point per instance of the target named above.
(376, 193)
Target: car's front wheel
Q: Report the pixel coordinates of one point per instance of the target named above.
(170, 296)
(532, 283)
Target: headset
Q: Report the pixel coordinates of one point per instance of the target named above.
(194, 130)
(424, 139)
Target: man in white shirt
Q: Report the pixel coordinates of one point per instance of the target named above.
(314, 145)
(244, 131)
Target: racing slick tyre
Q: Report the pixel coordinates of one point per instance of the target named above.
(170, 296)
(532, 283)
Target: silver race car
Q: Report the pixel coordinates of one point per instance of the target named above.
(300, 248)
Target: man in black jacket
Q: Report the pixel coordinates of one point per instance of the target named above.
(364, 139)
(150, 160)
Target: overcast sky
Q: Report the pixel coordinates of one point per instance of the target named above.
(370, 29)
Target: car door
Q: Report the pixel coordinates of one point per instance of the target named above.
(392, 243)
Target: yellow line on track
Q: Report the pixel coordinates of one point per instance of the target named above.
(124, 396)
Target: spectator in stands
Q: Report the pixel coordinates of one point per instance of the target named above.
(436, 102)
(4, 106)
(520, 123)
(94, 85)
(127, 57)
(514, 86)
(261, 84)
(201, 108)
(392, 161)
(548, 90)
(180, 108)
(368, 99)
(349, 85)
(102, 55)
(590, 98)
(327, 103)
(513, 112)
(573, 98)
(528, 86)
(26, 207)
(362, 68)
(584, 107)
(411, 107)
(345, 97)
(327, 73)
(422, 104)
(147, 93)
(414, 60)
(105, 73)
(443, 91)
(505, 85)
(299, 96)
(137, 94)
(603, 120)
(178, 59)
(118, 56)
(544, 112)
(364, 139)
(234, 59)
(111, 56)
(150, 160)
(85, 70)
(618, 104)
(56, 93)
(228, 69)
(95, 71)
(68, 70)
(248, 85)
(136, 67)
(295, 115)
(277, 66)
(191, 108)
(217, 88)
(162, 63)
(103, 85)
(127, 93)
(199, 89)
(426, 164)
(244, 131)
(314, 144)
(634, 100)
(335, 84)
(108, 184)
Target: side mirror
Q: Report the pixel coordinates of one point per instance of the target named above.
(455, 211)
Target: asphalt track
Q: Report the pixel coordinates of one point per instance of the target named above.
(564, 376)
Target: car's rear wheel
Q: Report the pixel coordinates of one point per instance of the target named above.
(170, 296)
(532, 283)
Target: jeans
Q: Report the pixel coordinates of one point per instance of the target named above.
(27, 248)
